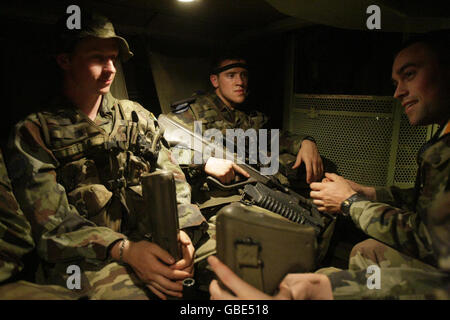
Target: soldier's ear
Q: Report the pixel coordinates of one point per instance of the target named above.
(63, 61)
(214, 78)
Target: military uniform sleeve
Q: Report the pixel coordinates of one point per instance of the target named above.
(401, 198)
(15, 231)
(406, 228)
(388, 283)
(60, 232)
(401, 229)
(439, 225)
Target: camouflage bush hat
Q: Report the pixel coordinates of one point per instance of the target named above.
(92, 25)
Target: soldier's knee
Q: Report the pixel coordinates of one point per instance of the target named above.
(366, 248)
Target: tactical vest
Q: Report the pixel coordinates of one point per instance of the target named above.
(100, 171)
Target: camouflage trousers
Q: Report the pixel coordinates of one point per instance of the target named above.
(110, 281)
(115, 281)
(400, 276)
(372, 252)
(24, 290)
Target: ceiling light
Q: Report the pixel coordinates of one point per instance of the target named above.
(186, 0)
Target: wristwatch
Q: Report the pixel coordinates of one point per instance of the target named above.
(347, 203)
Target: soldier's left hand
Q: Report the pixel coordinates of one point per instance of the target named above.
(299, 286)
(241, 289)
(306, 286)
(309, 154)
(329, 195)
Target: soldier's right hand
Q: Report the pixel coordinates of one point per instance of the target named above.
(151, 263)
(223, 169)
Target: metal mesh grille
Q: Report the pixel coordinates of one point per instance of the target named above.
(359, 142)
(345, 103)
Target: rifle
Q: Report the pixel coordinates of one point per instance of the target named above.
(176, 133)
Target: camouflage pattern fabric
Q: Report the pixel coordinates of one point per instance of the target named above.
(111, 281)
(439, 226)
(401, 277)
(418, 267)
(15, 231)
(77, 181)
(15, 242)
(403, 283)
(24, 290)
(399, 218)
(372, 252)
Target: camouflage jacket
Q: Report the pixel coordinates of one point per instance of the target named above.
(214, 114)
(399, 218)
(77, 180)
(15, 231)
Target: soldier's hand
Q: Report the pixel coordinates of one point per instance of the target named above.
(299, 286)
(187, 262)
(305, 286)
(329, 195)
(239, 287)
(151, 263)
(309, 154)
(223, 169)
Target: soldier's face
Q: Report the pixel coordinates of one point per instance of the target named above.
(421, 85)
(231, 85)
(91, 66)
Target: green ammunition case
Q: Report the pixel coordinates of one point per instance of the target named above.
(263, 247)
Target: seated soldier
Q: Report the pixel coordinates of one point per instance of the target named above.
(224, 109)
(15, 243)
(76, 170)
(396, 218)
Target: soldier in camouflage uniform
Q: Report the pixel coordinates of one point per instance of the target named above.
(75, 168)
(15, 242)
(411, 226)
(398, 218)
(222, 109)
